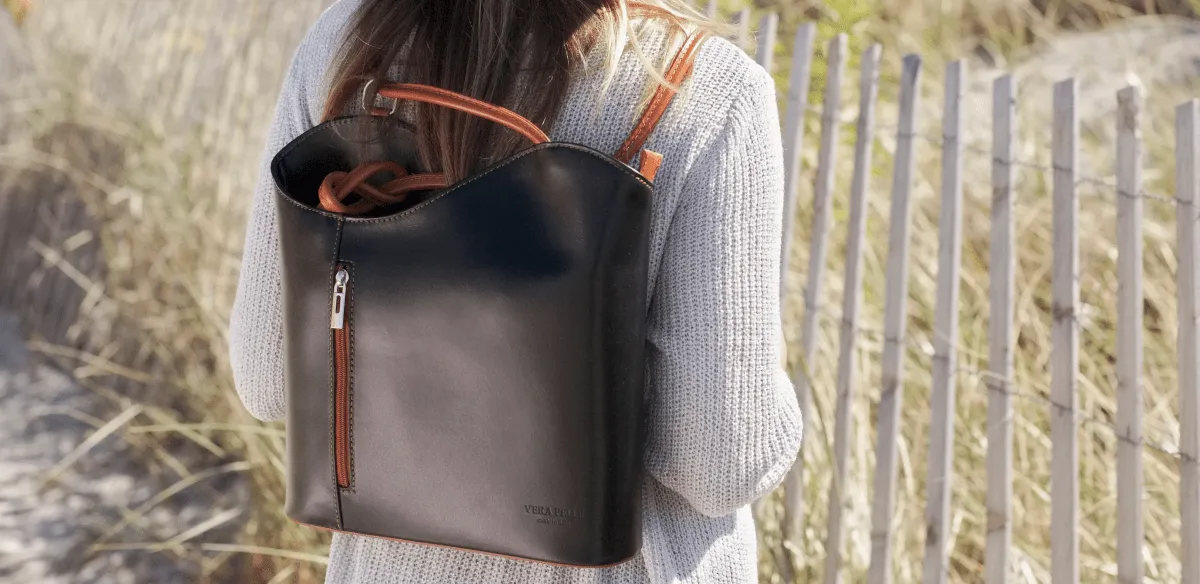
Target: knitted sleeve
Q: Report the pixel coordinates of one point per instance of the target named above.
(724, 422)
(256, 323)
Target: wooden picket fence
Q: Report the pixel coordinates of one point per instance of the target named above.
(1064, 365)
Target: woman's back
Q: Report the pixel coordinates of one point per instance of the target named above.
(723, 422)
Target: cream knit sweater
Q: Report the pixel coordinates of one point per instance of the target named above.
(724, 424)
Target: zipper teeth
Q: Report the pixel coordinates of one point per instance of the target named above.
(342, 398)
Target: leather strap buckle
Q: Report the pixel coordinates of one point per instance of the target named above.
(369, 97)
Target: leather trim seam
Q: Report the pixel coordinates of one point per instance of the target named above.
(337, 495)
(450, 547)
(350, 381)
(584, 149)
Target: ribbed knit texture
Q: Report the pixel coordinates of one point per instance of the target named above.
(724, 424)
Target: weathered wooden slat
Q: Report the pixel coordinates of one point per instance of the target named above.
(1064, 359)
(895, 318)
(793, 137)
(1000, 334)
(1129, 335)
(1187, 184)
(822, 215)
(940, 472)
(745, 38)
(768, 28)
(851, 303)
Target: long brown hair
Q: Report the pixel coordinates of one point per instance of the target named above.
(519, 54)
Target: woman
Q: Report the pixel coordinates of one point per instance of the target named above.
(723, 426)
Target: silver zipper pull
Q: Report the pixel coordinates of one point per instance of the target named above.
(338, 318)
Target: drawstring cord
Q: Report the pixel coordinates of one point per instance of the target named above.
(338, 185)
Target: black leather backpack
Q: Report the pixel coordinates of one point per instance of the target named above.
(465, 363)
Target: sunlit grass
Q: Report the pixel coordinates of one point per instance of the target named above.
(172, 250)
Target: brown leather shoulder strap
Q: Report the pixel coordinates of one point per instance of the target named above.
(680, 68)
(460, 102)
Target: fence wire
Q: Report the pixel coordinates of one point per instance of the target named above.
(864, 333)
(1082, 178)
(1107, 183)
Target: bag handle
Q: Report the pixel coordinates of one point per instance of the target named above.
(455, 101)
(339, 185)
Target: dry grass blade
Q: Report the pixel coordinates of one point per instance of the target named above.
(70, 412)
(266, 551)
(121, 401)
(95, 292)
(90, 360)
(175, 543)
(166, 420)
(173, 213)
(217, 547)
(211, 565)
(25, 158)
(282, 576)
(208, 427)
(203, 527)
(136, 514)
(96, 438)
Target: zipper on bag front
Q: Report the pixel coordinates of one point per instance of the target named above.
(339, 323)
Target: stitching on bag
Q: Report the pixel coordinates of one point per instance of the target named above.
(429, 545)
(337, 499)
(443, 194)
(309, 135)
(350, 379)
(312, 133)
(584, 149)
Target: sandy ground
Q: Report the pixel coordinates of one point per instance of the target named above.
(46, 536)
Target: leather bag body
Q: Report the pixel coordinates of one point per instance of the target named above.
(465, 364)
(492, 382)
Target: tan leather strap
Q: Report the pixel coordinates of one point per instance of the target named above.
(462, 103)
(680, 68)
(650, 163)
(338, 185)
